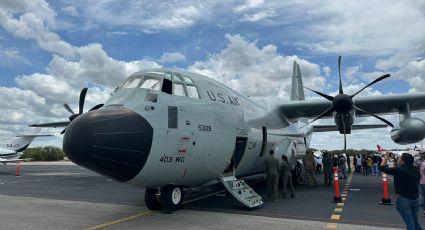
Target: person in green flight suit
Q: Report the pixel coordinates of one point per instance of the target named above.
(272, 169)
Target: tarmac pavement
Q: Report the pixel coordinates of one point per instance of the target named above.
(66, 196)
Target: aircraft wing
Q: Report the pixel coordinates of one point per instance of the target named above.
(52, 125)
(331, 128)
(4, 161)
(384, 104)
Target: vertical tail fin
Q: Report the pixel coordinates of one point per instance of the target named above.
(297, 91)
(20, 143)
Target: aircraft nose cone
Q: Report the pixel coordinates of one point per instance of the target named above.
(113, 141)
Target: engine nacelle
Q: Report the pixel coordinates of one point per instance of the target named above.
(411, 130)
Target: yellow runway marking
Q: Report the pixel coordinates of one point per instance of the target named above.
(100, 226)
(331, 226)
(119, 221)
(335, 217)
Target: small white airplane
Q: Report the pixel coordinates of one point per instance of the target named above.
(398, 153)
(12, 151)
(167, 129)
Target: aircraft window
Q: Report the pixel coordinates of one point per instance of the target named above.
(172, 117)
(167, 86)
(168, 76)
(132, 83)
(177, 77)
(187, 80)
(179, 89)
(192, 91)
(151, 83)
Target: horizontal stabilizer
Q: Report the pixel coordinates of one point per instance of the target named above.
(35, 135)
(332, 128)
(51, 125)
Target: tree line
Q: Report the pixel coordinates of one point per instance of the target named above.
(47, 153)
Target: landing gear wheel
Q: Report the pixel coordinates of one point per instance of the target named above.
(152, 199)
(171, 198)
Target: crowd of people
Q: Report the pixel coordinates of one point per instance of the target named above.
(408, 173)
(362, 164)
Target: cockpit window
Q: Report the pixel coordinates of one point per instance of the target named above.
(168, 76)
(131, 83)
(177, 77)
(192, 91)
(151, 83)
(187, 80)
(178, 89)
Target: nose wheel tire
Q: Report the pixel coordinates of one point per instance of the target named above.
(152, 199)
(171, 198)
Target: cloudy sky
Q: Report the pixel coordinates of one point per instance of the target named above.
(49, 50)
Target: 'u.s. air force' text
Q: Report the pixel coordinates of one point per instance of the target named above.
(230, 100)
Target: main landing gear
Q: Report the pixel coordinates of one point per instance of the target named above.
(168, 199)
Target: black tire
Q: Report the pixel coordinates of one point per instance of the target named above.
(152, 199)
(171, 198)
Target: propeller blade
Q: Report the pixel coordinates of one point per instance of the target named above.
(96, 107)
(63, 131)
(329, 98)
(330, 110)
(373, 82)
(68, 108)
(341, 91)
(82, 99)
(373, 115)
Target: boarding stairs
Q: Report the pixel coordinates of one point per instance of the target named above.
(241, 191)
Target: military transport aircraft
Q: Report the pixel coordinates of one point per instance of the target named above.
(167, 129)
(12, 151)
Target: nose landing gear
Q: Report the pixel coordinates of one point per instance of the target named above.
(168, 200)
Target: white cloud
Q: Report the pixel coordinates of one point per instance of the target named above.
(172, 57)
(362, 27)
(40, 96)
(249, 5)
(33, 20)
(414, 73)
(254, 10)
(254, 70)
(70, 10)
(18, 105)
(352, 74)
(147, 15)
(12, 56)
(327, 71)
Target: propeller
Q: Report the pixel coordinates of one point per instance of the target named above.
(80, 107)
(343, 103)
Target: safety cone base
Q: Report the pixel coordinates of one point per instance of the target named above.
(337, 199)
(386, 202)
